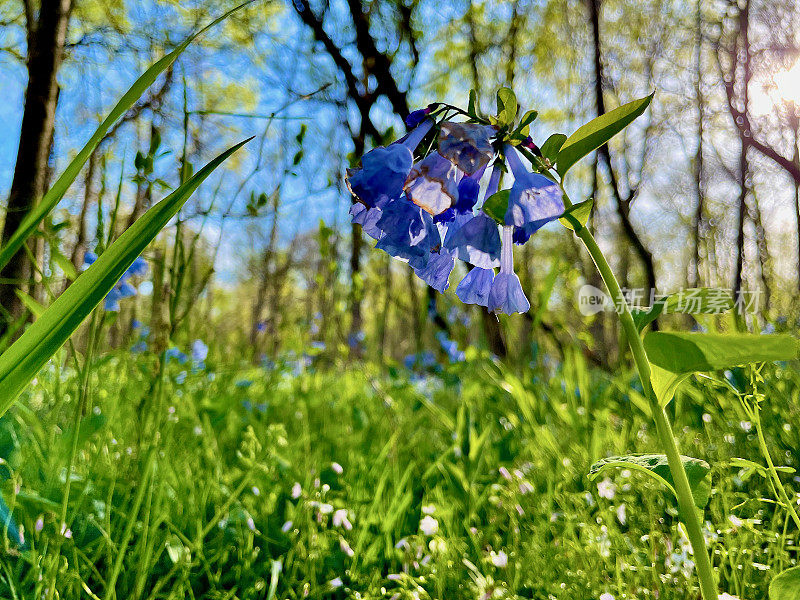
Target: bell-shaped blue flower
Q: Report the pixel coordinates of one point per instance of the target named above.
(534, 201)
(384, 170)
(437, 272)
(476, 242)
(475, 287)
(368, 219)
(416, 117)
(433, 184)
(506, 295)
(409, 232)
(466, 145)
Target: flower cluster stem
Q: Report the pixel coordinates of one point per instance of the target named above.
(683, 491)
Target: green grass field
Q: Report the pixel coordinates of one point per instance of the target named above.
(316, 480)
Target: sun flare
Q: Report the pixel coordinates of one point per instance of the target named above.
(781, 88)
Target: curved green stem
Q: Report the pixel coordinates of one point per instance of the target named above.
(683, 491)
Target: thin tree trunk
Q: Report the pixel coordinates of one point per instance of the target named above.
(696, 280)
(744, 166)
(46, 38)
(623, 202)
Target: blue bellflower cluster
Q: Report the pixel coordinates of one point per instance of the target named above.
(123, 288)
(424, 208)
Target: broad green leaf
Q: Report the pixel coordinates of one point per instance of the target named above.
(676, 356)
(506, 106)
(785, 585)
(577, 215)
(496, 205)
(597, 132)
(691, 301)
(54, 195)
(552, 145)
(657, 467)
(20, 363)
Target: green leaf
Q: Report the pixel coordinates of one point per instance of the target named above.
(496, 205)
(506, 106)
(598, 131)
(472, 107)
(60, 187)
(676, 356)
(691, 301)
(20, 363)
(64, 263)
(785, 585)
(657, 467)
(523, 129)
(577, 215)
(552, 145)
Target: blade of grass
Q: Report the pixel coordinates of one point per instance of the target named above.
(54, 195)
(20, 363)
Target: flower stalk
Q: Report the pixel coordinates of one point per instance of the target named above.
(683, 491)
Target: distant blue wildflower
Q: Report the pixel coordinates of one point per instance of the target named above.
(318, 345)
(180, 378)
(173, 353)
(199, 350)
(123, 289)
(243, 383)
(425, 359)
(356, 339)
(450, 347)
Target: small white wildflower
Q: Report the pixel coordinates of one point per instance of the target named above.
(606, 489)
(428, 509)
(337, 468)
(706, 418)
(39, 524)
(96, 410)
(336, 583)
(727, 596)
(735, 521)
(251, 524)
(340, 519)
(606, 596)
(198, 430)
(746, 426)
(296, 490)
(65, 531)
(286, 527)
(504, 472)
(622, 515)
(428, 525)
(256, 491)
(346, 547)
(499, 559)
(729, 438)
(325, 508)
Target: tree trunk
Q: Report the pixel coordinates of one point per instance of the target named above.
(695, 278)
(744, 166)
(623, 202)
(46, 38)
